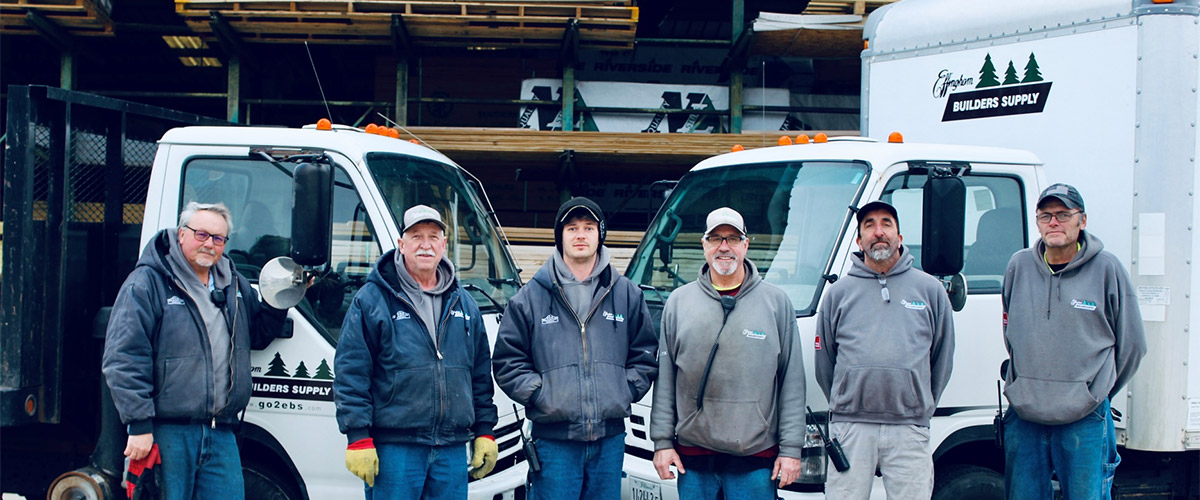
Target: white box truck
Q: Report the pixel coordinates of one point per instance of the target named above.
(1102, 92)
(1105, 93)
(89, 180)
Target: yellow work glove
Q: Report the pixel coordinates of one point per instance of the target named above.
(484, 458)
(362, 460)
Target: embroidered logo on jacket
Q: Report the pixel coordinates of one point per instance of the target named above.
(550, 319)
(459, 314)
(619, 318)
(817, 343)
(1086, 305)
(175, 301)
(754, 334)
(915, 305)
(401, 315)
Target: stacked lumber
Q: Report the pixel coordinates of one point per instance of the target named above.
(485, 24)
(76, 17)
(531, 257)
(860, 7)
(619, 149)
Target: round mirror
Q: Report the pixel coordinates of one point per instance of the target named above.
(958, 292)
(281, 283)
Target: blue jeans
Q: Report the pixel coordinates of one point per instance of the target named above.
(578, 469)
(199, 462)
(1083, 454)
(739, 478)
(413, 471)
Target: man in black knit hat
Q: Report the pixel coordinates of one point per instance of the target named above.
(576, 347)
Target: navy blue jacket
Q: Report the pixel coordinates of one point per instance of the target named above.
(394, 385)
(157, 358)
(576, 377)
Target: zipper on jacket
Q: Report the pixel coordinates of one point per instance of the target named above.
(436, 349)
(232, 349)
(583, 332)
(203, 331)
(441, 369)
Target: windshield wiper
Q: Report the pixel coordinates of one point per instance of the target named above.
(499, 310)
(662, 299)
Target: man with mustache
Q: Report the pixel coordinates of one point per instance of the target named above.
(884, 350)
(576, 349)
(414, 373)
(1074, 335)
(177, 354)
(728, 408)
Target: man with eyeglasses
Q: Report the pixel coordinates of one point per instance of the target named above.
(177, 354)
(728, 410)
(1074, 336)
(576, 349)
(884, 351)
(414, 373)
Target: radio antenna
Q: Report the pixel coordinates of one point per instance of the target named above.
(318, 76)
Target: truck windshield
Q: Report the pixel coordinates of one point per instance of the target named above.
(474, 247)
(794, 212)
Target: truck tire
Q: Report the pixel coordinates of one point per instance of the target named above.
(262, 482)
(973, 482)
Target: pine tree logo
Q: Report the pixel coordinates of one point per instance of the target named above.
(277, 367)
(301, 371)
(1032, 74)
(1010, 75)
(987, 74)
(323, 372)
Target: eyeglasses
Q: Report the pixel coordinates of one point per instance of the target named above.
(1063, 217)
(715, 240)
(203, 236)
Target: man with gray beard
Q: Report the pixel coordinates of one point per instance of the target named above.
(725, 417)
(884, 350)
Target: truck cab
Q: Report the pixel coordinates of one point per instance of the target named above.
(289, 423)
(798, 201)
(89, 181)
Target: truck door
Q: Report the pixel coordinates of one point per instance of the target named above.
(995, 228)
(291, 411)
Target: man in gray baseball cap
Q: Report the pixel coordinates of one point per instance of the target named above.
(757, 406)
(1074, 336)
(414, 332)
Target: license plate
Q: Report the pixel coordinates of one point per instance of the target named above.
(641, 489)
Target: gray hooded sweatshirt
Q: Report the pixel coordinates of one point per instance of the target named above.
(579, 293)
(214, 319)
(884, 358)
(755, 393)
(1075, 337)
(428, 303)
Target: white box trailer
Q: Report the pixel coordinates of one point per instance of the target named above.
(1104, 92)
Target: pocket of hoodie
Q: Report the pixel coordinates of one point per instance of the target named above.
(612, 390)
(873, 389)
(559, 399)
(728, 425)
(410, 401)
(1050, 401)
(179, 394)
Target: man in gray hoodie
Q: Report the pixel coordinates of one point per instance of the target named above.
(884, 351)
(1074, 336)
(729, 402)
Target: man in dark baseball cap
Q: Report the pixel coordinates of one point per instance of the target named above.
(1072, 325)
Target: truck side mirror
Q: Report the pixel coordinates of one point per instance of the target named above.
(312, 214)
(942, 222)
